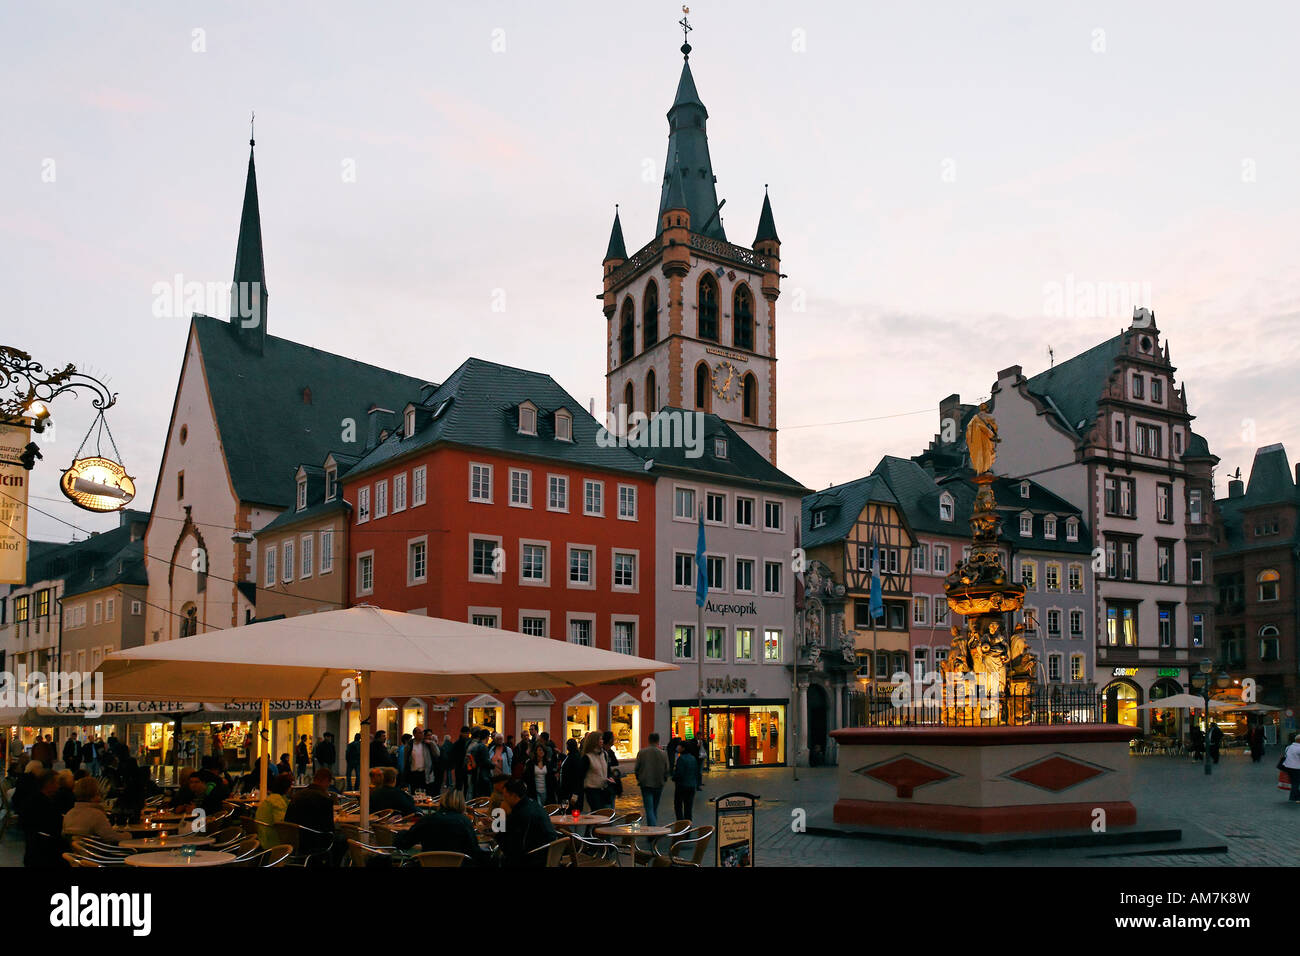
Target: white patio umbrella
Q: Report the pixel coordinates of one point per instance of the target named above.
(1185, 702)
(356, 654)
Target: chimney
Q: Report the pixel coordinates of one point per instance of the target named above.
(949, 410)
(378, 419)
(1236, 488)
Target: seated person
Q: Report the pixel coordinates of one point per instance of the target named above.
(271, 809)
(87, 817)
(527, 828)
(313, 807)
(385, 795)
(446, 828)
(203, 795)
(182, 795)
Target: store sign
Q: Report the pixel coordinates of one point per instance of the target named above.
(725, 609)
(97, 484)
(734, 826)
(1168, 672)
(1127, 672)
(13, 505)
(725, 685)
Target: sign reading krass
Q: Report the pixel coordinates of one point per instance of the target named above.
(13, 505)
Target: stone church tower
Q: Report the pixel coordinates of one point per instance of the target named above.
(690, 317)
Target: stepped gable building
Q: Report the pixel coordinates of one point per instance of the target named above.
(250, 407)
(690, 316)
(497, 500)
(1110, 431)
(1256, 571)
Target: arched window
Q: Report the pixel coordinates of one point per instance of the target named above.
(708, 307)
(749, 398)
(1268, 584)
(742, 318)
(628, 396)
(626, 333)
(651, 397)
(1269, 643)
(702, 386)
(650, 316)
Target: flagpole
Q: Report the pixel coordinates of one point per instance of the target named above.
(699, 678)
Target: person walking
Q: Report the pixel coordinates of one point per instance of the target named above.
(1213, 739)
(352, 760)
(1255, 737)
(611, 761)
(686, 780)
(651, 772)
(1290, 762)
(326, 754)
(302, 758)
(595, 773)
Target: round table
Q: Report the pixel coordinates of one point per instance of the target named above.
(354, 819)
(153, 843)
(174, 858)
(167, 817)
(582, 820)
(152, 828)
(634, 831)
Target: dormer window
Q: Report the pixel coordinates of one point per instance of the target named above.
(331, 483)
(1072, 529)
(409, 430)
(1049, 527)
(563, 426)
(302, 493)
(945, 507)
(1026, 525)
(819, 519)
(719, 448)
(1024, 489)
(528, 419)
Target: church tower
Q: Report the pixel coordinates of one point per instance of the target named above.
(690, 317)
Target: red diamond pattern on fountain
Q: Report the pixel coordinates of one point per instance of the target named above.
(1056, 773)
(905, 774)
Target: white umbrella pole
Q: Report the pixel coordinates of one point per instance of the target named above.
(364, 784)
(264, 747)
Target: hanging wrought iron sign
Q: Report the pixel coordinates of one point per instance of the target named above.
(98, 482)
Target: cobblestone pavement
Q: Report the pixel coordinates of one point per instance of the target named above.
(1239, 803)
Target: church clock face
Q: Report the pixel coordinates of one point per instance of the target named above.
(726, 380)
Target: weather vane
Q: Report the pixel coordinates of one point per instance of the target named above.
(252, 115)
(686, 28)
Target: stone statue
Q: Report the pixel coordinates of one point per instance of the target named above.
(981, 436)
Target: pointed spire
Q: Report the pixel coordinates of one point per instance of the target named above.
(766, 224)
(616, 248)
(675, 192)
(248, 297)
(688, 166)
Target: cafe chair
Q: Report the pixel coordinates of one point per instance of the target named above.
(101, 859)
(688, 849)
(588, 852)
(75, 861)
(478, 803)
(246, 852)
(675, 829)
(362, 854)
(227, 837)
(276, 856)
(383, 836)
(101, 846)
(441, 858)
(553, 852)
(609, 813)
(293, 834)
(552, 809)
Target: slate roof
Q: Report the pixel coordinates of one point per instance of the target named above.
(688, 156)
(1075, 386)
(766, 224)
(1197, 447)
(482, 412)
(743, 462)
(1271, 483)
(100, 561)
(842, 504)
(311, 512)
(616, 248)
(266, 428)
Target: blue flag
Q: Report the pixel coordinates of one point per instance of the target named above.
(877, 605)
(701, 568)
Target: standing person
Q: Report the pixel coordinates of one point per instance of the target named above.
(352, 758)
(501, 754)
(686, 780)
(1255, 736)
(521, 757)
(379, 756)
(571, 775)
(325, 754)
(674, 747)
(1290, 762)
(539, 777)
(552, 755)
(1213, 739)
(418, 758)
(595, 773)
(302, 758)
(611, 761)
(457, 761)
(72, 753)
(446, 766)
(651, 773)
(478, 764)
(1198, 742)
(90, 755)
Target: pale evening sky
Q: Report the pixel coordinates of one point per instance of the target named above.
(936, 170)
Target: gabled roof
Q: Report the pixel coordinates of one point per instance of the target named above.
(266, 428)
(1075, 386)
(483, 412)
(743, 462)
(841, 505)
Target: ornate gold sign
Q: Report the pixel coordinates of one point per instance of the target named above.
(97, 484)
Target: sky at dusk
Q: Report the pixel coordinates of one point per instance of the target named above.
(437, 181)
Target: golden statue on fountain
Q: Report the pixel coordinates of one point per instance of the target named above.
(987, 676)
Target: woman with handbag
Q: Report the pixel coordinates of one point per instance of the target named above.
(595, 773)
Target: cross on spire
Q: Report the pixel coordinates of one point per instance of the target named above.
(685, 24)
(251, 117)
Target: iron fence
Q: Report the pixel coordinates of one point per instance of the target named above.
(1042, 705)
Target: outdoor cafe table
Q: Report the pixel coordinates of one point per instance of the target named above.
(168, 817)
(565, 821)
(634, 831)
(153, 827)
(342, 819)
(153, 843)
(174, 858)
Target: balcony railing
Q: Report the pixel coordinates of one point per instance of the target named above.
(726, 250)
